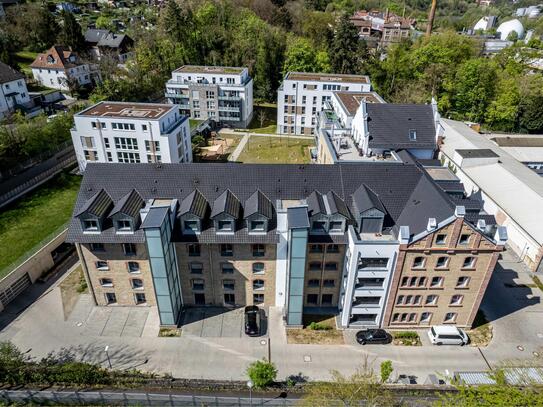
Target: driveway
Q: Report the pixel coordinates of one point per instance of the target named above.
(215, 322)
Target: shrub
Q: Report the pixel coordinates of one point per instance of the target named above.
(319, 327)
(406, 335)
(262, 373)
(386, 370)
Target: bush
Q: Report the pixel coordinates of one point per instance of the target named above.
(406, 335)
(319, 327)
(386, 370)
(262, 373)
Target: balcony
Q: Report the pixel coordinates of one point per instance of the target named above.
(229, 108)
(175, 95)
(230, 98)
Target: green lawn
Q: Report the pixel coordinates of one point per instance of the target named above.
(194, 123)
(275, 150)
(264, 119)
(24, 59)
(30, 220)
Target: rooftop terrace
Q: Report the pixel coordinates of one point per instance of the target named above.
(326, 77)
(210, 69)
(127, 110)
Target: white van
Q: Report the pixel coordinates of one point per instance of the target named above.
(447, 335)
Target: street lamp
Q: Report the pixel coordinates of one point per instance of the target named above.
(250, 385)
(107, 354)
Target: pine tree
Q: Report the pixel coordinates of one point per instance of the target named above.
(345, 49)
(70, 34)
(45, 30)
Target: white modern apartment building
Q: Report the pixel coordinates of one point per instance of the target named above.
(219, 93)
(13, 91)
(62, 69)
(302, 95)
(121, 132)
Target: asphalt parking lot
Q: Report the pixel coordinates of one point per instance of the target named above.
(215, 322)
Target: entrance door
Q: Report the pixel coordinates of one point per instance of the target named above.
(199, 299)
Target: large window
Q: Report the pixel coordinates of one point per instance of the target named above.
(123, 126)
(373, 262)
(128, 158)
(125, 143)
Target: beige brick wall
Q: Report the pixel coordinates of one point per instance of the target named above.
(243, 276)
(323, 274)
(485, 254)
(118, 273)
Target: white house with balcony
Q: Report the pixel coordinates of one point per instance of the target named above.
(119, 132)
(218, 93)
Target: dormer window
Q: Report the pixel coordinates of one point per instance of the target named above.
(225, 226)
(124, 225)
(258, 226)
(318, 226)
(91, 225)
(191, 226)
(336, 227)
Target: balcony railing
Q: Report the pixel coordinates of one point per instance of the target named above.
(229, 109)
(175, 95)
(233, 98)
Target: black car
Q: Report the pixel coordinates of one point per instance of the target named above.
(252, 320)
(373, 336)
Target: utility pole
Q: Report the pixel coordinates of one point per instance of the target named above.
(431, 16)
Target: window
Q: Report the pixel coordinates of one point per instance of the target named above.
(229, 285)
(370, 263)
(125, 143)
(152, 147)
(226, 250)
(336, 226)
(315, 265)
(457, 299)
(90, 225)
(129, 249)
(412, 134)
(332, 248)
(464, 239)
(111, 298)
(316, 248)
(128, 158)
(229, 299)
(425, 317)
(124, 225)
(412, 317)
(144, 128)
(431, 300)
(441, 239)
(196, 267)
(330, 266)
(442, 262)
(101, 265)
(413, 282)
(106, 282)
(191, 226)
(312, 298)
(422, 281)
(258, 299)
(136, 283)
(462, 282)
(258, 284)
(418, 262)
(133, 267)
(318, 226)
(326, 299)
(97, 247)
(436, 282)
(258, 268)
(225, 225)
(258, 226)
(450, 317)
(469, 262)
(227, 268)
(194, 250)
(259, 250)
(197, 284)
(139, 298)
(329, 283)
(416, 300)
(405, 281)
(109, 156)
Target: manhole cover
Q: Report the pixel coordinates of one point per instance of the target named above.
(263, 342)
(521, 348)
(307, 358)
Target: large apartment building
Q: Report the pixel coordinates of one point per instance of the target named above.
(219, 93)
(369, 242)
(119, 132)
(303, 95)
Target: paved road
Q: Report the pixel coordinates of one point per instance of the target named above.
(516, 312)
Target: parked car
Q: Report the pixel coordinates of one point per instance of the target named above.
(447, 335)
(252, 320)
(377, 336)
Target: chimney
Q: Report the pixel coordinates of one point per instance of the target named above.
(404, 235)
(501, 236)
(460, 211)
(481, 225)
(432, 224)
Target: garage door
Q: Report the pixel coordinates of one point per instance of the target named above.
(14, 290)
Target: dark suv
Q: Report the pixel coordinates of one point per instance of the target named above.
(252, 320)
(379, 336)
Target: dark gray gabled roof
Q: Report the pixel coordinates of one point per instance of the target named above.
(93, 35)
(258, 203)
(98, 205)
(315, 204)
(8, 74)
(364, 198)
(130, 204)
(195, 203)
(337, 205)
(389, 125)
(226, 203)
